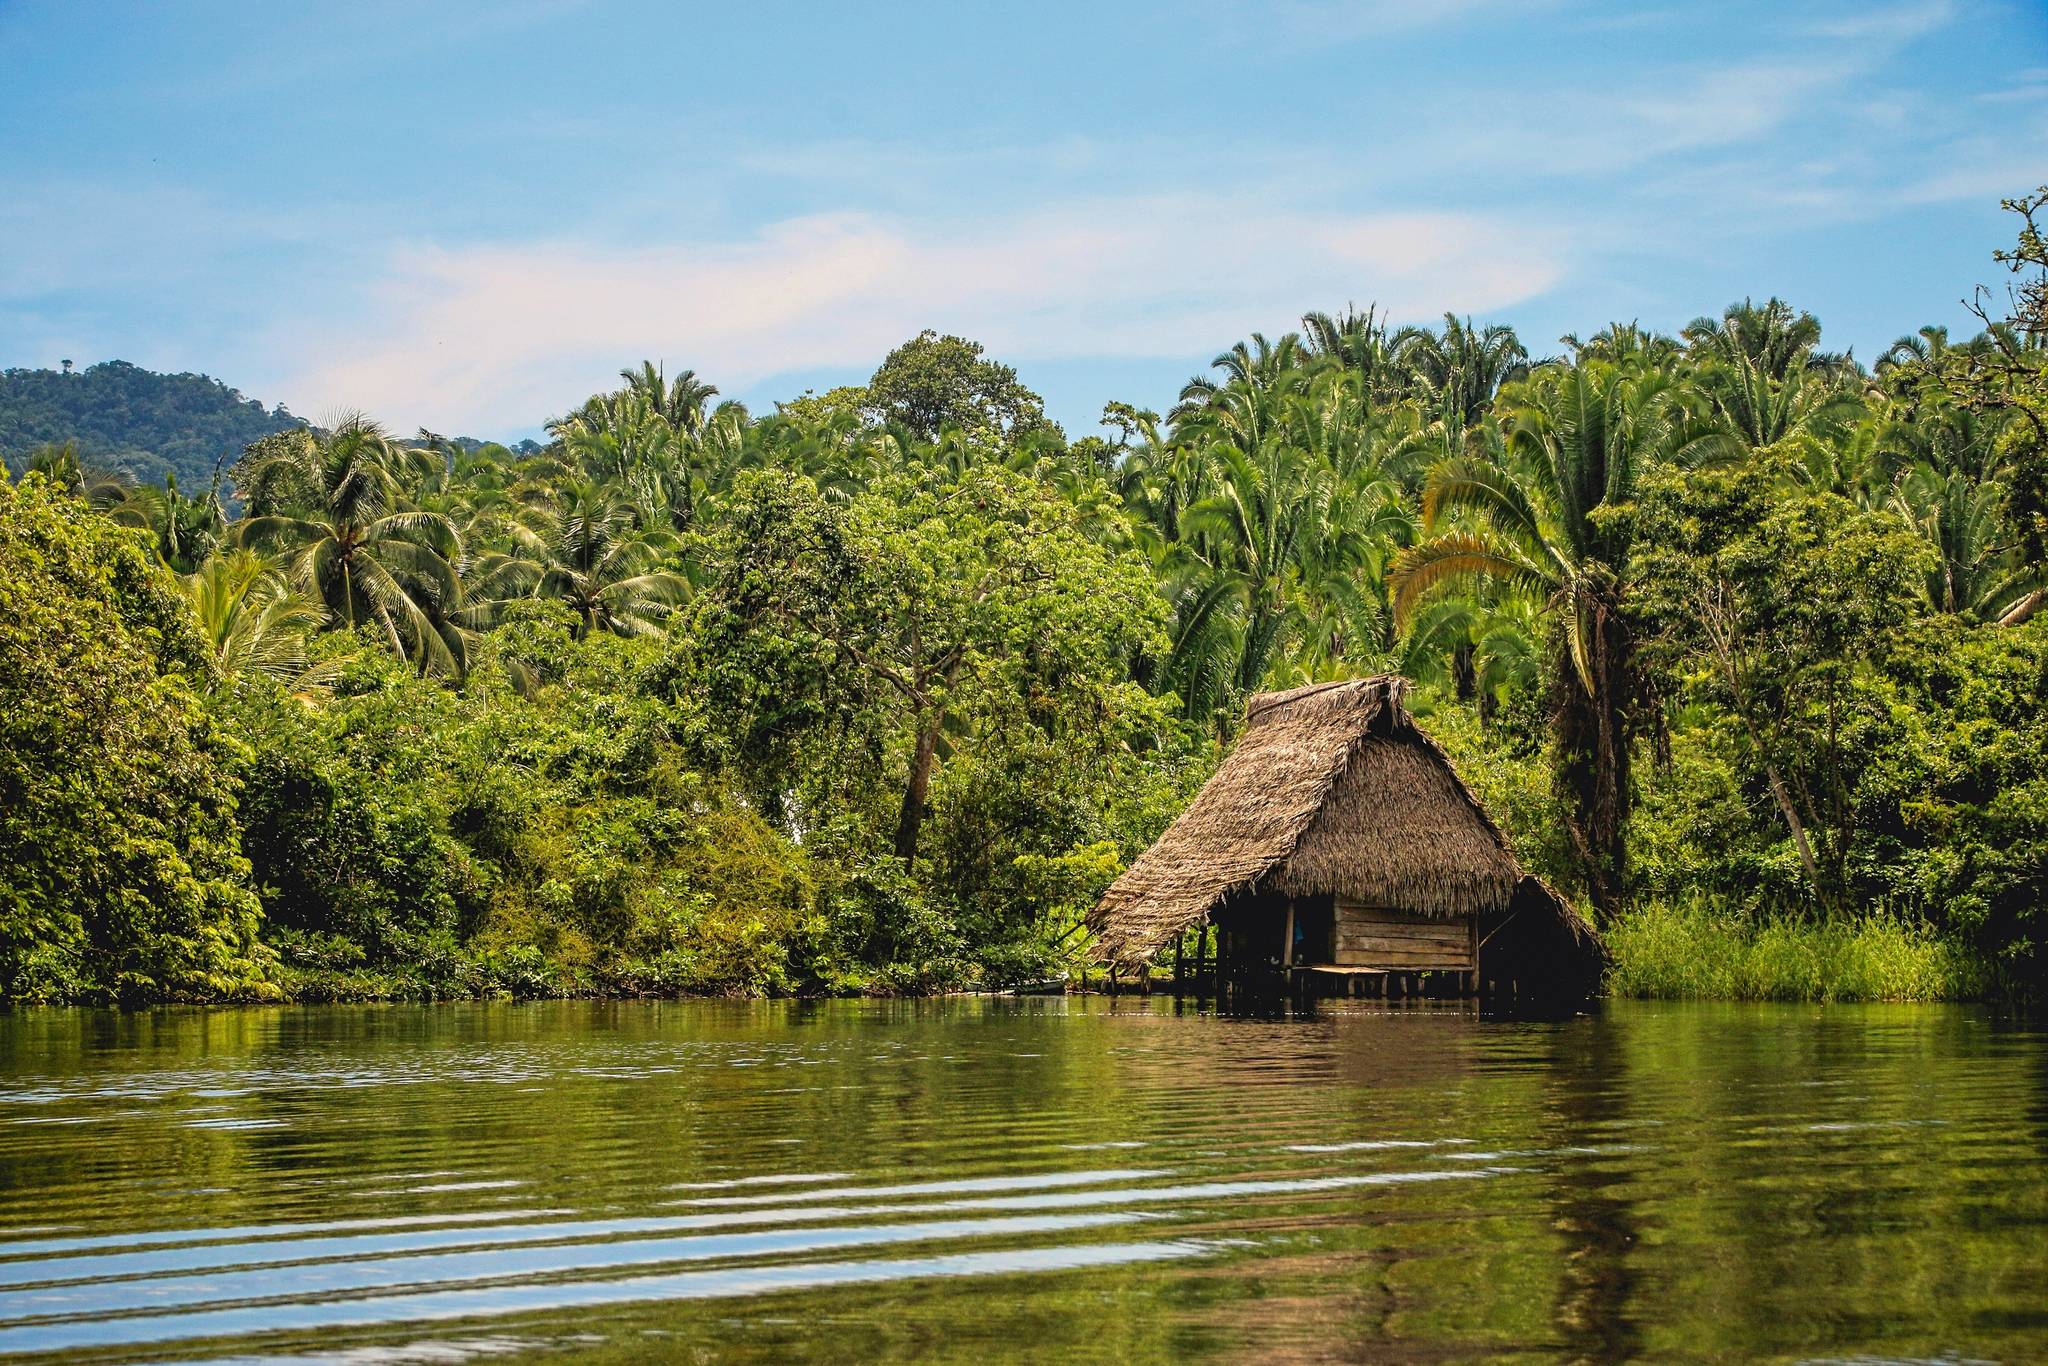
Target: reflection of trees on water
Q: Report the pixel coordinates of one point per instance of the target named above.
(1857, 1181)
(1600, 1229)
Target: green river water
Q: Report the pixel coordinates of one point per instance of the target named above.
(977, 1180)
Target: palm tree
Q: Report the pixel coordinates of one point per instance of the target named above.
(1770, 336)
(839, 453)
(355, 543)
(1976, 573)
(59, 462)
(590, 549)
(187, 530)
(1481, 644)
(1758, 410)
(1579, 438)
(680, 402)
(1357, 342)
(1250, 372)
(1928, 346)
(1457, 373)
(1269, 516)
(648, 434)
(1624, 342)
(255, 623)
(1247, 535)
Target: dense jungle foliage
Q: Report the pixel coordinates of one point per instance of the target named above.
(1740, 637)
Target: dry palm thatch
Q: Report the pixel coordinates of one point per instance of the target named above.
(1332, 789)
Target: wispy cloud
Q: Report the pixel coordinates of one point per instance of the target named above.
(487, 338)
(1986, 169)
(1894, 23)
(1722, 105)
(1138, 192)
(2030, 86)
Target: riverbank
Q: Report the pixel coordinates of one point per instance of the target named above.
(1698, 952)
(1661, 952)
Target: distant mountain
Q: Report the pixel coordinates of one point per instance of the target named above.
(134, 421)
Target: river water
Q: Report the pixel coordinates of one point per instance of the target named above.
(979, 1180)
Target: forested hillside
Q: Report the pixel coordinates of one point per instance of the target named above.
(135, 422)
(1741, 640)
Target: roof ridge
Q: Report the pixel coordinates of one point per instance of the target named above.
(1261, 703)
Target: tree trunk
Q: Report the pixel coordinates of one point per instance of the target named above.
(2024, 610)
(1464, 678)
(1593, 760)
(1721, 637)
(911, 817)
(1790, 812)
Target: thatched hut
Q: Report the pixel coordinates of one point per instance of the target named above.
(1337, 846)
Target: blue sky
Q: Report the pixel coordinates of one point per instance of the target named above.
(469, 217)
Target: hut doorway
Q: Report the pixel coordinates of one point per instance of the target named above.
(1315, 930)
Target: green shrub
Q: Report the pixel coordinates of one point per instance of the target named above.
(121, 875)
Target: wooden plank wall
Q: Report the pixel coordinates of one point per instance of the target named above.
(1371, 936)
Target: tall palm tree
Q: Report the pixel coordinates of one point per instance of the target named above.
(187, 530)
(1456, 373)
(1269, 516)
(1248, 533)
(680, 402)
(1249, 373)
(1578, 440)
(651, 435)
(1357, 342)
(1624, 342)
(590, 549)
(1770, 336)
(1480, 643)
(355, 543)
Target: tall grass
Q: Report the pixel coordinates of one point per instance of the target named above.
(1696, 951)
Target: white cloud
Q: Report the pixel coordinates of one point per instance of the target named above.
(501, 337)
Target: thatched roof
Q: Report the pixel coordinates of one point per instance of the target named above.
(1331, 789)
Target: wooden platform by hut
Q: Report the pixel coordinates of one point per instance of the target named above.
(1337, 851)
